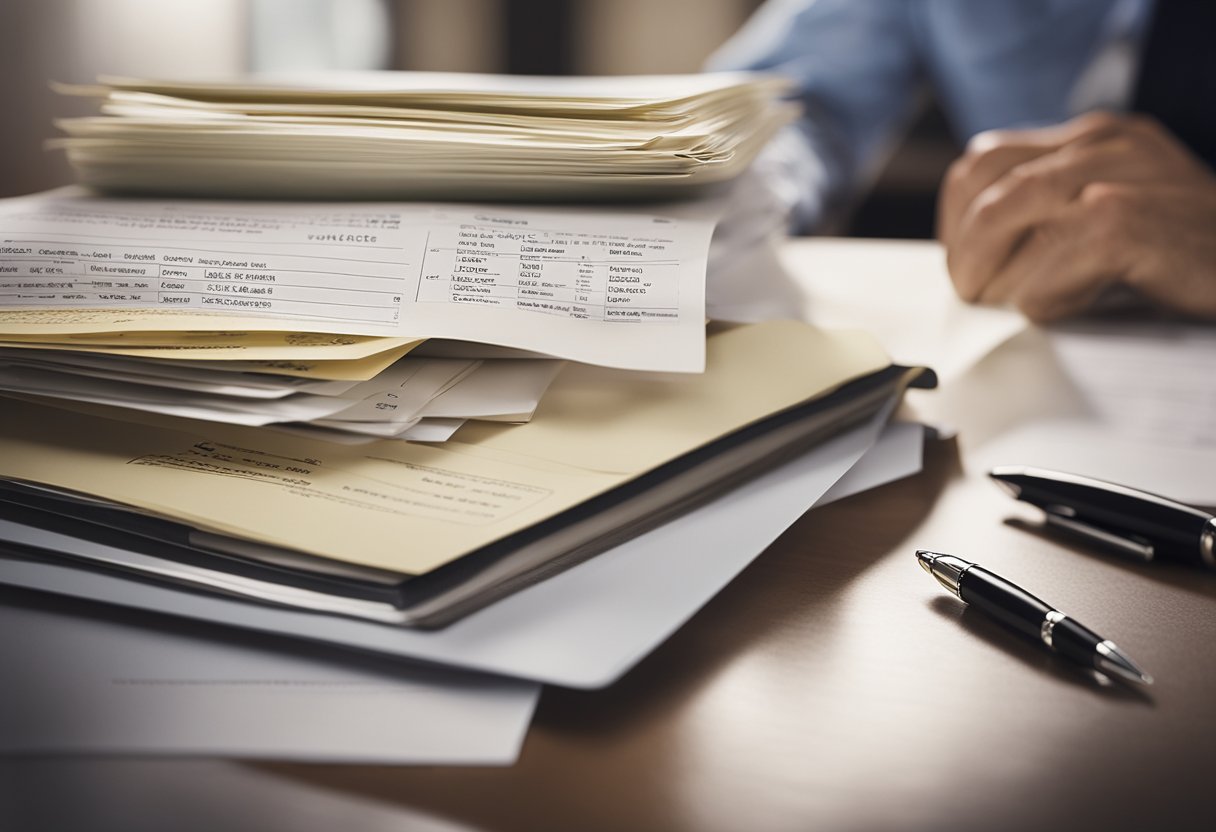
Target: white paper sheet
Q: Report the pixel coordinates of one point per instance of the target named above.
(190, 405)
(396, 395)
(581, 628)
(617, 287)
(76, 681)
(1130, 402)
(21, 373)
(176, 374)
(1148, 382)
(595, 93)
(898, 453)
(501, 387)
(382, 406)
(432, 430)
(1133, 402)
(900, 291)
(747, 281)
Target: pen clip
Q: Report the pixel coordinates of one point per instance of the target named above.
(1137, 547)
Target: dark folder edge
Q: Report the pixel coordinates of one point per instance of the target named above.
(873, 391)
(453, 590)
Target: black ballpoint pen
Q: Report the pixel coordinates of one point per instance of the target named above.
(1017, 608)
(1136, 522)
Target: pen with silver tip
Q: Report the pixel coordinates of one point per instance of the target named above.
(1017, 608)
(1135, 522)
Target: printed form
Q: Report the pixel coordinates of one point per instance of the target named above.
(615, 287)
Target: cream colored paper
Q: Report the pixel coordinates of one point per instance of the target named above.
(424, 135)
(222, 346)
(395, 395)
(646, 94)
(409, 507)
(351, 369)
(604, 420)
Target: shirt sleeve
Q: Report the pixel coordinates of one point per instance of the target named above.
(855, 66)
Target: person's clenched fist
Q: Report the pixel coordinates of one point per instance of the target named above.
(1048, 219)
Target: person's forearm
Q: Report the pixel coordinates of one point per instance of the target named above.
(855, 72)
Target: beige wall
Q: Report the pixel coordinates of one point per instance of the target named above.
(613, 37)
(620, 37)
(75, 40)
(450, 35)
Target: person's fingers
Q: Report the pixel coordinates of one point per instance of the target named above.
(1171, 227)
(1123, 202)
(1032, 193)
(967, 178)
(992, 154)
(1085, 127)
(1063, 265)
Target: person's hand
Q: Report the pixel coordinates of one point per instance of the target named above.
(1048, 219)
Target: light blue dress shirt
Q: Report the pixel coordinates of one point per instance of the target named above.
(861, 67)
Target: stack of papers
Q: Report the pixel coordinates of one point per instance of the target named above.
(425, 135)
(203, 401)
(312, 316)
(129, 329)
(413, 398)
(617, 287)
(419, 535)
(582, 628)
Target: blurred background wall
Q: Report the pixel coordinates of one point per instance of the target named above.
(76, 40)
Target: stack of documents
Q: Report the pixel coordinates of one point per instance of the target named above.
(411, 397)
(410, 534)
(612, 286)
(156, 683)
(399, 135)
(110, 305)
(201, 400)
(312, 316)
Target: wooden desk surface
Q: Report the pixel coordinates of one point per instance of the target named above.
(833, 685)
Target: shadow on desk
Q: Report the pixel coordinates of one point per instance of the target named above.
(1179, 576)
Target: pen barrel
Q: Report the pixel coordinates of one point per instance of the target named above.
(1173, 529)
(1074, 641)
(1004, 601)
